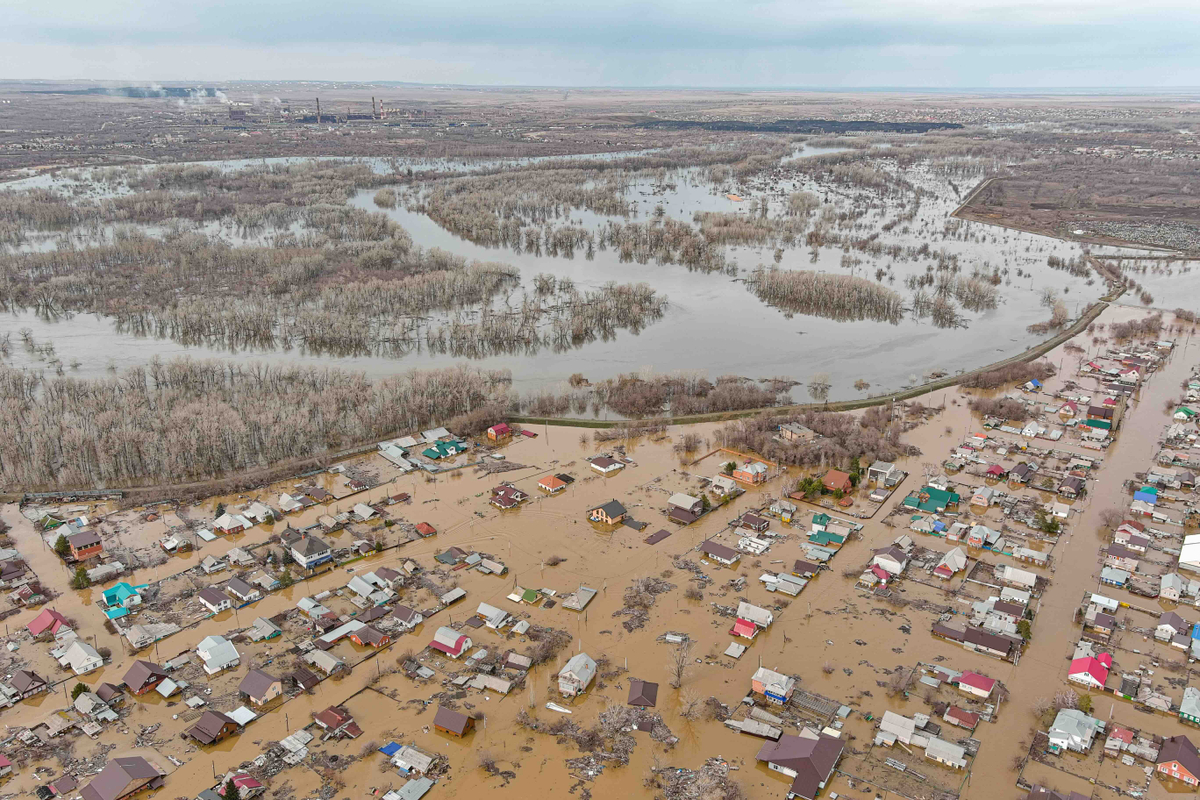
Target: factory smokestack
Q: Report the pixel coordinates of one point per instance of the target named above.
(318, 111)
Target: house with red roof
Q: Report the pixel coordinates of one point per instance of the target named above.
(961, 717)
(450, 642)
(425, 529)
(1091, 671)
(744, 628)
(48, 621)
(337, 722)
(975, 684)
(499, 432)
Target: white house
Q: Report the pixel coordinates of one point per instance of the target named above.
(309, 551)
(218, 654)
(215, 600)
(892, 559)
(576, 675)
(722, 485)
(759, 616)
(1074, 730)
(81, 657)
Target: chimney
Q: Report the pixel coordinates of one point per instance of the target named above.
(318, 111)
(374, 113)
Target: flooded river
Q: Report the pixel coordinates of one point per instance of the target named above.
(713, 324)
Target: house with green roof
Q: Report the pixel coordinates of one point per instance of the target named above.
(819, 521)
(826, 539)
(931, 500)
(440, 450)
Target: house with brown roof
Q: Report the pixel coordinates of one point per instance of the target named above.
(212, 727)
(336, 721)
(642, 693)
(836, 480)
(506, 496)
(809, 759)
(452, 722)
(606, 466)
(366, 636)
(754, 522)
(28, 683)
(1178, 759)
(260, 687)
(85, 544)
(719, 552)
(143, 676)
(123, 777)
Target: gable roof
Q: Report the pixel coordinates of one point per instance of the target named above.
(611, 509)
(143, 673)
(451, 720)
(119, 777)
(209, 726)
(811, 757)
(257, 683)
(1181, 749)
(48, 620)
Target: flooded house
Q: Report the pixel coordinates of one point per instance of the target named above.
(719, 553)
(450, 642)
(260, 687)
(123, 777)
(311, 551)
(218, 654)
(143, 676)
(452, 722)
(84, 545)
(576, 675)
(48, 622)
(752, 472)
(506, 496)
(1073, 730)
(1178, 759)
(81, 658)
(212, 727)
(337, 722)
(215, 600)
(642, 694)
(606, 466)
(809, 759)
(837, 481)
(609, 513)
(28, 683)
(774, 686)
(552, 484)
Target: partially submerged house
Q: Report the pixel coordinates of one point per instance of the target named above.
(143, 676)
(576, 675)
(260, 687)
(452, 722)
(809, 759)
(212, 727)
(123, 777)
(609, 513)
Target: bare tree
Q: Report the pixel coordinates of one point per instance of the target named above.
(818, 387)
(680, 663)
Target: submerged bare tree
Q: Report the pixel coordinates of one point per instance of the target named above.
(681, 663)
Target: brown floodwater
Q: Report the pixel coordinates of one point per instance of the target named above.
(823, 625)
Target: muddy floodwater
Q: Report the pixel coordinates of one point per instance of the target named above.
(713, 324)
(843, 644)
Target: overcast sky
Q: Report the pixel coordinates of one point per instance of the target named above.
(802, 43)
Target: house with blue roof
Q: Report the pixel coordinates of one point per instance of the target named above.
(120, 597)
